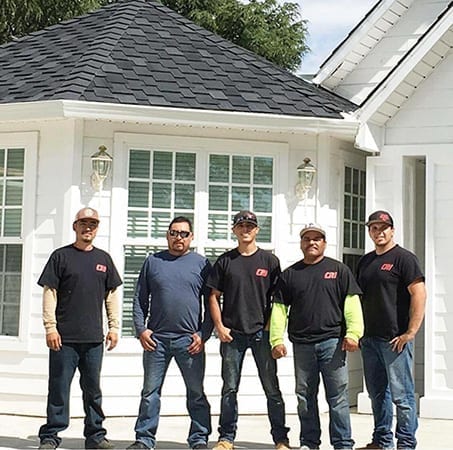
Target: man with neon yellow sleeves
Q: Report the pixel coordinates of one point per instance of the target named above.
(324, 322)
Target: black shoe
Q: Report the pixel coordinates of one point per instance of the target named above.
(200, 445)
(105, 444)
(138, 444)
(47, 445)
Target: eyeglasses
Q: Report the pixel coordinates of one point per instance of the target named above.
(88, 224)
(181, 234)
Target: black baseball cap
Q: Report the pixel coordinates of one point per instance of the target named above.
(245, 216)
(380, 217)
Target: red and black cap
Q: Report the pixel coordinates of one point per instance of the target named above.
(380, 217)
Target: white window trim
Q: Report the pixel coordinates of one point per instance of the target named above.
(28, 141)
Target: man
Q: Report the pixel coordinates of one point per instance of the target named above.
(393, 304)
(77, 280)
(168, 313)
(325, 321)
(246, 276)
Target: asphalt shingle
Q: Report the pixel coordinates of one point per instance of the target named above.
(140, 52)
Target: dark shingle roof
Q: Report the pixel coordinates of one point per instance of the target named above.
(142, 53)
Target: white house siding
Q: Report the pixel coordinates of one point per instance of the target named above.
(413, 173)
(375, 66)
(62, 149)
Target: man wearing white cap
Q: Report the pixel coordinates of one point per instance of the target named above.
(78, 280)
(325, 321)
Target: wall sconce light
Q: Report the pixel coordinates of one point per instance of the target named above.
(101, 163)
(306, 173)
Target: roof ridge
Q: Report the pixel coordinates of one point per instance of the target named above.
(123, 7)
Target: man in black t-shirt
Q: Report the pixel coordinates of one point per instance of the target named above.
(78, 280)
(325, 321)
(393, 304)
(246, 276)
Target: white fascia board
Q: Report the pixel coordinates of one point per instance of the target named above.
(373, 103)
(351, 42)
(63, 109)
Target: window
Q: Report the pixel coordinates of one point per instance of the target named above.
(11, 207)
(354, 216)
(163, 184)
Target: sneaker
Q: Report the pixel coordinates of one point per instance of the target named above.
(283, 445)
(223, 445)
(105, 444)
(371, 445)
(47, 445)
(138, 444)
(200, 445)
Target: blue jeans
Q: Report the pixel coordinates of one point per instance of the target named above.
(233, 354)
(311, 360)
(192, 367)
(62, 365)
(388, 378)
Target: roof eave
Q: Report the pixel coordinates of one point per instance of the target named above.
(63, 109)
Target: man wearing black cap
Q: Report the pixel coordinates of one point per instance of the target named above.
(393, 305)
(325, 321)
(78, 280)
(246, 276)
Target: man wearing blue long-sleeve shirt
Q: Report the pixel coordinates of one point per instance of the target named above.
(172, 321)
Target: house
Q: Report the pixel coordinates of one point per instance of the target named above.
(196, 126)
(397, 65)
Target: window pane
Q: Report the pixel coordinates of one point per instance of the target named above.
(162, 165)
(138, 195)
(212, 253)
(185, 166)
(10, 320)
(137, 224)
(13, 260)
(262, 199)
(218, 198)
(161, 195)
(13, 222)
(347, 207)
(355, 181)
(218, 226)
(13, 192)
(1, 192)
(159, 224)
(219, 168)
(185, 196)
(240, 198)
(262, 170)
(347, 234)
(265, 233)
(241, 169)
(348, 180)
(2, 161)
(139, 164)
(15, 162)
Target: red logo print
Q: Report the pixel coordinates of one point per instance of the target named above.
(101, 268)
(387, 267)
(330, 275)
(261, 273)
(384, 217)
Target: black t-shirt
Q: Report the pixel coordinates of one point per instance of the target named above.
(316, 295)
(247, 283)
(384, 280)
(82, 280)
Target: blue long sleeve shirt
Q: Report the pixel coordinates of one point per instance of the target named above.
(171, 296)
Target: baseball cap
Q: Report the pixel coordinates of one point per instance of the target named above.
(87, 213)
(245, 216)
(380, 217)
(312, 227)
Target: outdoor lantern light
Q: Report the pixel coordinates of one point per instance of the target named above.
(306, 173)
(101, 163)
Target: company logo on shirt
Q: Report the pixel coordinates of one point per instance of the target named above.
(261, 273)
(330, 275)
(387, 267)
(101, 268)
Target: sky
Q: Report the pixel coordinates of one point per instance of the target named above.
(329, 22)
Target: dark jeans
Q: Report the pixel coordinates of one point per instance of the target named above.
(62, 365)
(389, 379)
(192, 368)
(232, 358)
(311, 360)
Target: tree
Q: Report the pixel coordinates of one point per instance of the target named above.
(274, 31)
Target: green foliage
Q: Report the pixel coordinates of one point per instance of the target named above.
(267, 28)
